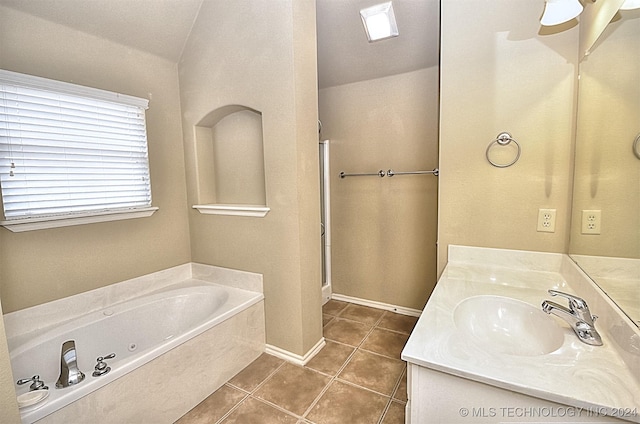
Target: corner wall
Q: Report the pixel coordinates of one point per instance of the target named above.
(499, 74)
(383, 229)
(262, 55)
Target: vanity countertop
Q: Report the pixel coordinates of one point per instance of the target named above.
(602, 378)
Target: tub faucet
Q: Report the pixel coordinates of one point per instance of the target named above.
(69, 372)
(577, 315)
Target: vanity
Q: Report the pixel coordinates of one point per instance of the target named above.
(483, 350)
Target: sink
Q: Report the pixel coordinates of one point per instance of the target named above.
(507, 326)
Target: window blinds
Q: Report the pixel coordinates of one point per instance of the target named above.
(67, 149)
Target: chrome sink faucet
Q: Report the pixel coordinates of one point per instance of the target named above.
(577, 315)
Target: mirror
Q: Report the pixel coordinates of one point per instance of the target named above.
(605, 233)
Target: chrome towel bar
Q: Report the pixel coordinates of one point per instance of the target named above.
(380, 174)
(389, 173)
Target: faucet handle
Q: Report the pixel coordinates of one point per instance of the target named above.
(36, 383)
(575, 302)
(101, 367)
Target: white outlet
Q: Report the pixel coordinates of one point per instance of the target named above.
(591, 221)
(547, 220)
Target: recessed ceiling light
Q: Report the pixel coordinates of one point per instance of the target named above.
(379, 21)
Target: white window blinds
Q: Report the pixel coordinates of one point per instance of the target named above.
(67, 149)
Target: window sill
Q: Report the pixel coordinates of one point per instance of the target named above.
(233, 210)
(30, 224)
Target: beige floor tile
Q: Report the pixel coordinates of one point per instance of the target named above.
(395, 414)
(252, 411)
(385, 342)
(374, 372)
(346, 404)
(333, 307)
(326, 319)
(293, 388)
(213, 407)
(398, 322)
(331, 358)
(346, 331)
(361, 313)
(401, 391)
(251, 377)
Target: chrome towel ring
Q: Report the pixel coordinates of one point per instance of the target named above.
(503, 139)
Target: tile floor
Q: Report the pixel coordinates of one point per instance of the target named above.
(357, 378)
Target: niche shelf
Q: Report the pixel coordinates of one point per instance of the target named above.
(230, 163)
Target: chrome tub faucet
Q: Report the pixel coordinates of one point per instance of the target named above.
(577, 315)
(69, 372)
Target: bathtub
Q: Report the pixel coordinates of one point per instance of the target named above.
(173, 347)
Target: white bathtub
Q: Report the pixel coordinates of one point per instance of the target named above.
(137, 330)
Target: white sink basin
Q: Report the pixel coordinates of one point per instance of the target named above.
(508, 326)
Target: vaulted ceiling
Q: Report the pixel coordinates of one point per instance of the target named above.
(161, 27)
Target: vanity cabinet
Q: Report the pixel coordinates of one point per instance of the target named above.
(438, 397)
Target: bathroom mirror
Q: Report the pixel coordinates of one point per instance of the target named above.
(605, 233)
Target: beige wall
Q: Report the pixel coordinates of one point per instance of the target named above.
(262, 55)
(383, 229)
(40, 266)
(499, 74)
(8, 402)
(607, 172)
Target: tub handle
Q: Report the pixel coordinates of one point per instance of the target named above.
(101, 367)
(36, 383)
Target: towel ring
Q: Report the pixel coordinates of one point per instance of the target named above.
(503, 139)
(636, 146)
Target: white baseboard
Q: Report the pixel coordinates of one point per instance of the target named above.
(294, 358)
(379, 305)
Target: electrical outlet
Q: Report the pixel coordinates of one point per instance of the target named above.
(547, 220)
(591, 221)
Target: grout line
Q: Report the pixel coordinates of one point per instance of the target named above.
(230, 411)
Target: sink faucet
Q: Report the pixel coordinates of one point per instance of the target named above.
(577, 315)
(69, 372)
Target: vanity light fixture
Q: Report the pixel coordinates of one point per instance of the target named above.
(379, 21)
(630, 5)
(560, 11)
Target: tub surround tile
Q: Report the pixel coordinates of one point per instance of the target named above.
(343, 403)
(346, 331)
(52, 313)
(41, 317)
(230, 277)
(293, 388)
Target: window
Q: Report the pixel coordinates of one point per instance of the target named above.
(68, 153)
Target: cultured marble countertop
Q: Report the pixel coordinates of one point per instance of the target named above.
(576, 374)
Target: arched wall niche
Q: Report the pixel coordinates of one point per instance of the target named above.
(230, 162)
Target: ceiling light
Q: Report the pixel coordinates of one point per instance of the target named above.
(560, 11)
(630, 4)
(379, 21)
